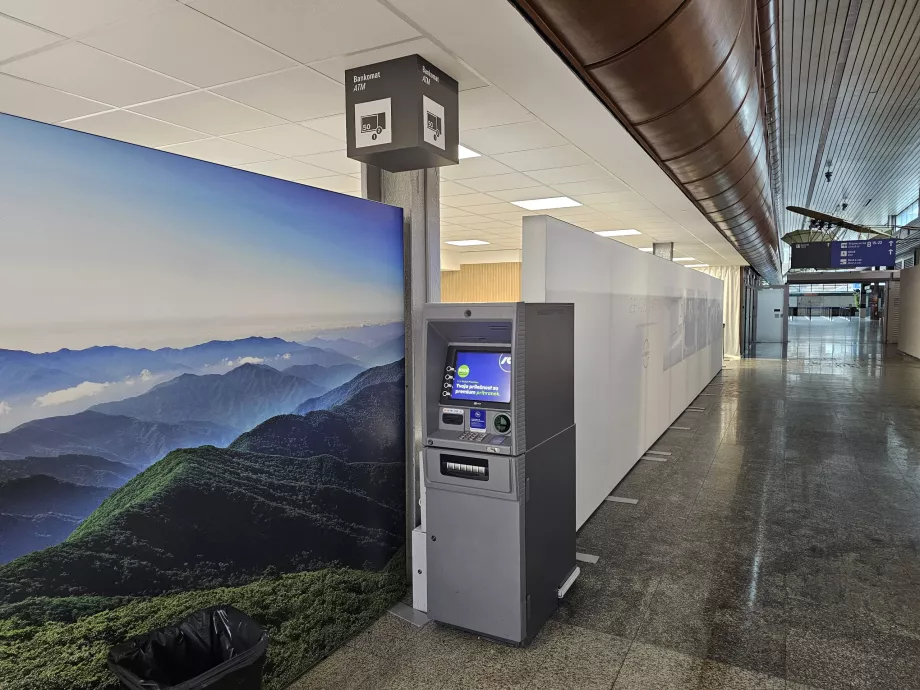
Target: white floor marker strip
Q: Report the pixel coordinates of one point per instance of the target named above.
(586, 557)
(680, 428)
(618, 499)
(658, 452)
(656, 458)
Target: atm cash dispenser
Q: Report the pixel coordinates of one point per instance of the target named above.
(499, 465)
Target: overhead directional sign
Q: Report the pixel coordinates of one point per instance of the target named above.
(859, 253)
(849, 254)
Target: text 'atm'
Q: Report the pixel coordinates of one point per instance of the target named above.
(499, 465)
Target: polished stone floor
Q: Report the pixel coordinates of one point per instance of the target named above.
(776, 548)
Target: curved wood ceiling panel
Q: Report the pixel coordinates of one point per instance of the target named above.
(685, 78)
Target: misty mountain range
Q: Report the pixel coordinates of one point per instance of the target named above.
(239, 399)
(103, 447)
(296, 492)
(25, 376)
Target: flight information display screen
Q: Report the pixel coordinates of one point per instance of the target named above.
(483, 376)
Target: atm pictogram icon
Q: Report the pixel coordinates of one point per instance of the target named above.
(375, 123)
(433, 122)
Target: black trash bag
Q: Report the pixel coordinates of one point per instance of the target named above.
(219, 648)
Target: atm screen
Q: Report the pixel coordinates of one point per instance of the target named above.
(481, 375)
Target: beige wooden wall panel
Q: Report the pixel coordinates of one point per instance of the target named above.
(482, 283)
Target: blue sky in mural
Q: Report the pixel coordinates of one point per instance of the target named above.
(103, 242)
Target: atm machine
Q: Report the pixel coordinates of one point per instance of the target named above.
(499, 465)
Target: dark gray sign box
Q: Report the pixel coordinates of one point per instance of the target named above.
(402, 115)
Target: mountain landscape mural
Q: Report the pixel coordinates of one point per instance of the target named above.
(202, 402)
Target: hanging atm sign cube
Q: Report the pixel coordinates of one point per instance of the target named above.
(402, 114)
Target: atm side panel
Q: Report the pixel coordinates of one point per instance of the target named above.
(475, 563)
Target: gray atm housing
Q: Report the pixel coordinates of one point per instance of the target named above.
(501, 506)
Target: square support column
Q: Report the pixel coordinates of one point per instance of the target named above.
(663, 249)
(417, 192)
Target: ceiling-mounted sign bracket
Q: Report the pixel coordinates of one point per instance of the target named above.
(402, 115)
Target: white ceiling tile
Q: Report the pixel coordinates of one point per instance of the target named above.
(37, 102)
(332, 125)
(591, 186)
(72, 17)
(489, 225)
(464, 200)
(337, 183)
(88, 72)
(474, 167)
(538, 192)
(336, 161)
(455, 215)
(489, 209)
(313, 30)
(286, 169)
(496, 183)
(220, 151)
(17, 38)
(133, 128)
(575, 173)
(488, 106)
(208, 113)
(514, 216)
(605, 197)
(288, 140)
(297, 94)
(189, 46)
(449, 188)
(335, 67)
(507, 138)
(542, 159)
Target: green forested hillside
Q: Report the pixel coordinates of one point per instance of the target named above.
(206, 517)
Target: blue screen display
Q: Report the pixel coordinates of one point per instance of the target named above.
(484, 376)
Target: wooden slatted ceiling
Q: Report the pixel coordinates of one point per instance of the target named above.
(871, 111)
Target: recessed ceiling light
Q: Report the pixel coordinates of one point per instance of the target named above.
(684, 258)
(645, 249)
(618, 233)
(545, 204)
(464, 152)
(696, 265)
(466, 243)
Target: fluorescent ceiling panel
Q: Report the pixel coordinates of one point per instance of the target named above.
(466, 243)
(463, 152)
(619, 233)
(546, 204)
(684, 258)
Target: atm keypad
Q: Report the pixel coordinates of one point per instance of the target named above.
(473, 436)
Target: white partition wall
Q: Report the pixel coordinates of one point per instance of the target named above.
(648, 338)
